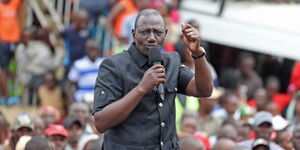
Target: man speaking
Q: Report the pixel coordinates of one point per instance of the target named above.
(129, 105)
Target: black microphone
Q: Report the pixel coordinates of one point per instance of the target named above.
(154, 55)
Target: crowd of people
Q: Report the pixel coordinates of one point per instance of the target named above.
(243, 112)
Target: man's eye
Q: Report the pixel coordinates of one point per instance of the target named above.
(159, 32)
(144, 32)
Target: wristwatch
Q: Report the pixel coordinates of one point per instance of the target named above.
(201, 55)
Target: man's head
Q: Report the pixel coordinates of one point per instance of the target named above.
(272, 86)
(49, 114)
(50, 80)
(92, 49)
(188, 124)
(263, 124)
(190, 143)
(247, 63)
(149, 31)
(80, 19)
(260, 144)
(208, 104)
(284, 139)
(23, 125)
(260, 96)
(296, 137)
(39, 143)
(39, 126)
(272, 108)
(58, 135)
(224, 144)
(228, 132)
(230, 102)
(79, 111)
(75, 129)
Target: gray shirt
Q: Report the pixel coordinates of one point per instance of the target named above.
(151, 125)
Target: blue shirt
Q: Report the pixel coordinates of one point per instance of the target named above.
(76, 39)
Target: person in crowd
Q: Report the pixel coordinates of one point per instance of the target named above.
(293, 111)
(49, 115)
(244, 132)
(190, 143)
(9, 33)
(228, 131)
(80, 111)
(83, 73)
(296, 137)
(76, 35)
(272, 85)
(246, 74)
(188, 125)
(262, 128)
(44, 56)
(39, 143)
(259, 100)
(272, 108)
(39, 126)
(50, 93)
(3, 86)
(205, 122)
(261, 144)
(75, 130)
(58, 135)
(23, 126)
(118, 13)
(124, 88)
(224, 144)
(284, 139)
(4, 131)
(22, 75)
(230, 104)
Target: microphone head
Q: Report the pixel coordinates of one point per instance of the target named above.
(154, 55)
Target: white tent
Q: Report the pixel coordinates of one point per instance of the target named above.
(265, 28)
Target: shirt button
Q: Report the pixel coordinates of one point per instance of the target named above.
(102, 92)
(176, 89)
(160, 104)
(161, 143)
(162, 124)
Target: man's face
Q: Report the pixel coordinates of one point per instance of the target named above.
(149, 32)
(263, 130)
(286, 141)
(59, 141)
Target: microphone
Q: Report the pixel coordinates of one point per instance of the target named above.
(154, 55)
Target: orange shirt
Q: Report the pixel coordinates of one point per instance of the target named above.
(9, 24)
(130, 8)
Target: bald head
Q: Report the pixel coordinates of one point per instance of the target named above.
(224, 144)
(190, 143)
(146, 13)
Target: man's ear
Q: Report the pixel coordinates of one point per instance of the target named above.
(166, 32)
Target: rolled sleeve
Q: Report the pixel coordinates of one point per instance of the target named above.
(184, 77)
(108, 87)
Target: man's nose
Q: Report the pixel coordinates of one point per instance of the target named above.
(151, 38)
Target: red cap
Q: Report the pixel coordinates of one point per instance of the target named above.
(56, 129)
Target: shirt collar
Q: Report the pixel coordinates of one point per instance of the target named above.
(137, 56)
